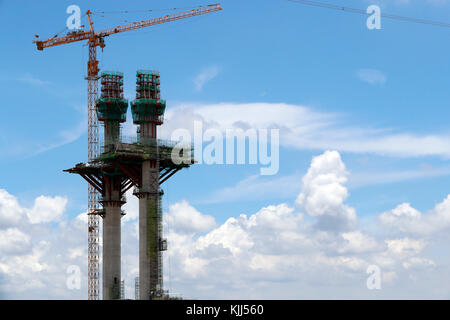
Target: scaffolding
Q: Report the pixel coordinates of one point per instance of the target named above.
(148, 106)
(122, 290)
(136, 288)
(111, 106)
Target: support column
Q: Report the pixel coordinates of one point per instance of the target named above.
(112, 242)
(149, 233)
(111, 109)
(148, 111)
(111, 253)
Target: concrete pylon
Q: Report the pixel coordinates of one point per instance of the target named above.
(149, 235)
(111, 249)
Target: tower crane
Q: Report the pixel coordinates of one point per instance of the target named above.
(94, 40)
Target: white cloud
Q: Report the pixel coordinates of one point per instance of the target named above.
(10, 211)
(418, 263)
(274, 253)
(323, 192)
(357, 242)
(47, 209)
(205, 76)
(184, 218)
(131, 208)
(277, 252)
(231, 235)
(405, 219)
(13, 240)
(34, 255)
(405, 247)
(306, 129)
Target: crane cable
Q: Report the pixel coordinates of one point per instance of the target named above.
(151, 10)
(364, 12)
(102, 14)
(65, 28)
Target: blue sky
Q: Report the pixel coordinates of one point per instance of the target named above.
(271, 51)
(384, 92)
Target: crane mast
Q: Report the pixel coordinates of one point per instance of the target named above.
(97, 40)
(93, 152)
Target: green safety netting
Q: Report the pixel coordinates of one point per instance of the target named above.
(143, 110)
(147, 72)
(112, 73)
(146, 86)
(112, 109)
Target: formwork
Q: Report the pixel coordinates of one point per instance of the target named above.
(148, 105)
(111, 107)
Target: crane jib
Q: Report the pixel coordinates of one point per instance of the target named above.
(168, 18)
(132, 26)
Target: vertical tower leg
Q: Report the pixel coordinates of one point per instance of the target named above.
(147, 111)
(111, 239)
(111, 252)
(149, 221)
(111, 110)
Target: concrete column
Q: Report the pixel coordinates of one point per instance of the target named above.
(148, 230)
(111, 246)
(112, 132)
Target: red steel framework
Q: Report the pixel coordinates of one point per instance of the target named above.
(96, 39)
(93, 152)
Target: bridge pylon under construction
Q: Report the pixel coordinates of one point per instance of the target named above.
(142, 163)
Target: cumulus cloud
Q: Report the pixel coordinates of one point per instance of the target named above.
(11, 213)
(323, 193)
(12, 240)
(184, 218)
(34, 254)
(405, 219)
(274, 253)
(357, 242)
(405, 247)
(280, 251)
(47, 209)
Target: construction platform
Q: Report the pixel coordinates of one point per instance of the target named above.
(125, 160)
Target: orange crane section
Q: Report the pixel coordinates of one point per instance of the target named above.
(97, 37)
